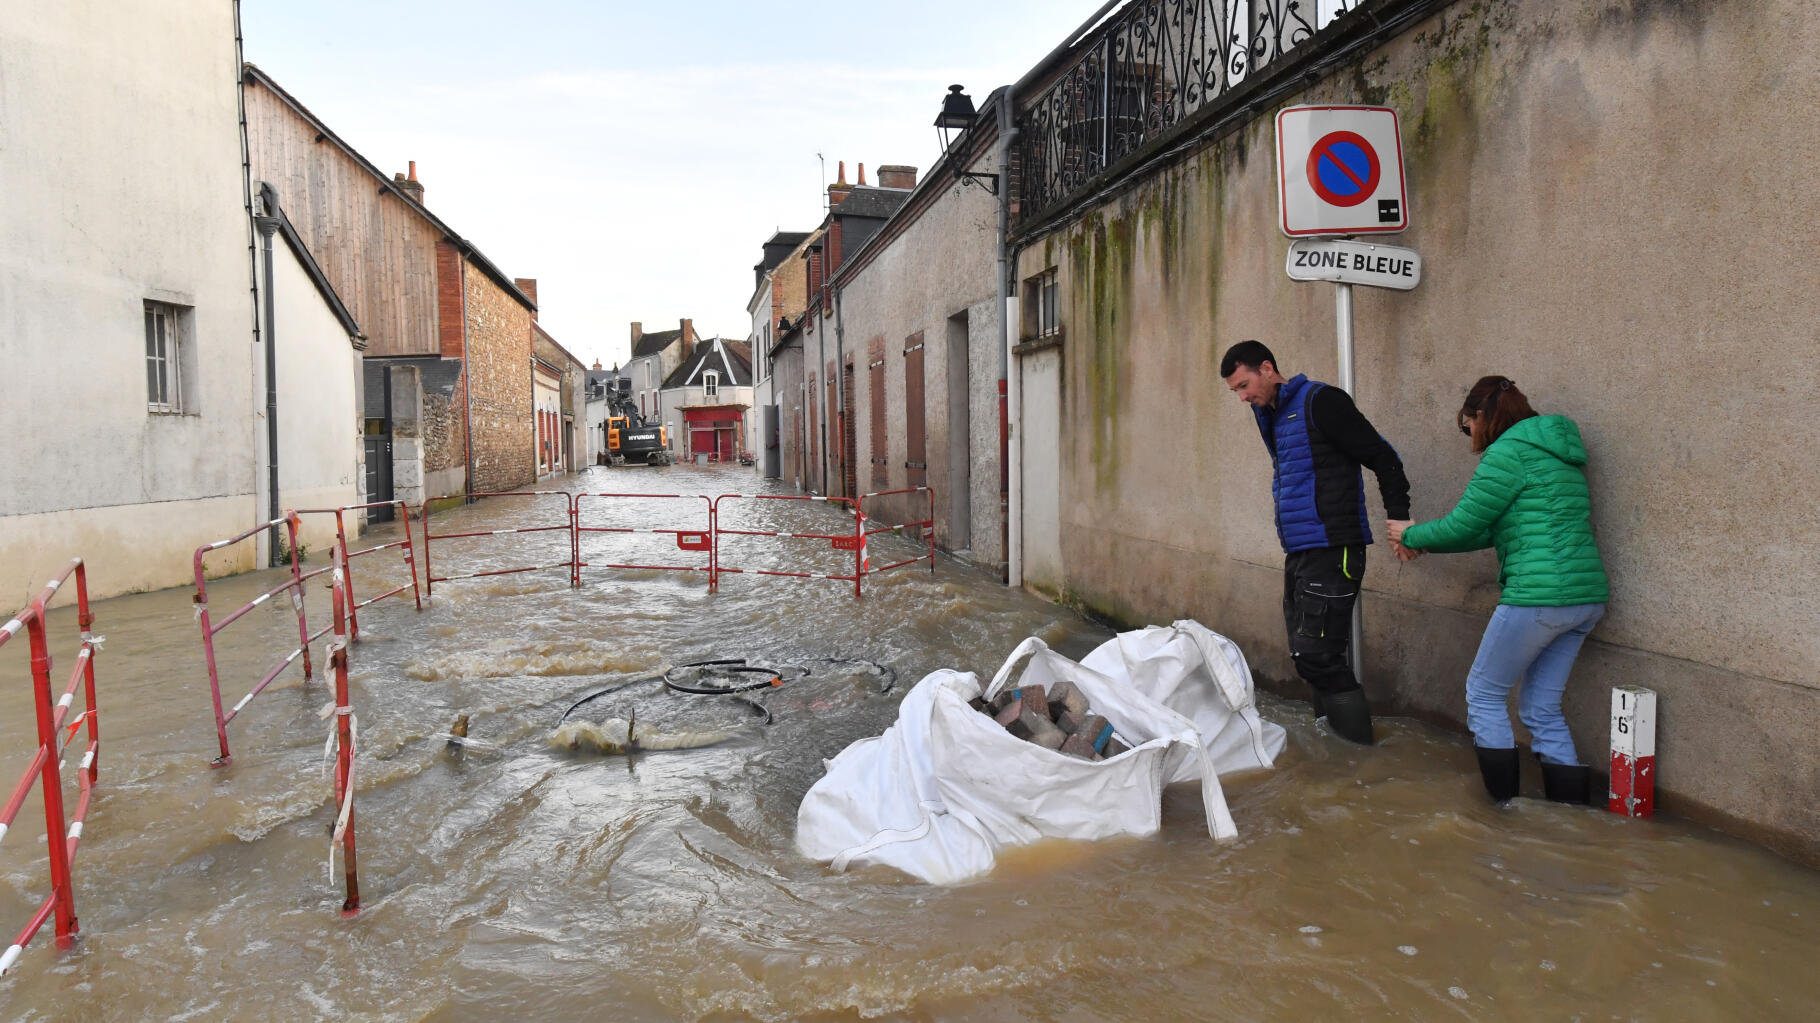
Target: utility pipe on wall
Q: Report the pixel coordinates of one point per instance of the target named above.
(267, 222)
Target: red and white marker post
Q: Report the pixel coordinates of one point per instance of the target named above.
(1633, 752)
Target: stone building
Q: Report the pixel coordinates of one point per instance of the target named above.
(777, 298)
(450, 335)
(856, 212)
(654, 357)
(566, 447)
(916, 304)
(1572, 238)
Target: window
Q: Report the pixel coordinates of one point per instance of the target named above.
(710, 384)
(165, 357)
(1040, 315)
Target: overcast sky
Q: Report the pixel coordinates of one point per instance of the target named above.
(633, 156)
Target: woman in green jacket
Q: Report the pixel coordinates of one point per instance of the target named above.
(1528, 499)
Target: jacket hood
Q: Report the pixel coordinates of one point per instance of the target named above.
(1556, 435)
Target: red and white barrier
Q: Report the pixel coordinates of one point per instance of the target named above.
(854, 541)
(927, 525)
(47, 762)
(293, 586)
(566, 526)
(341, 540)
(1633, 752)
(696, 537)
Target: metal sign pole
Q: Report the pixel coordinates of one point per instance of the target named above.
(1342, 296)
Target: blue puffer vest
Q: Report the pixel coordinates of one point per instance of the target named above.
(1306, 465)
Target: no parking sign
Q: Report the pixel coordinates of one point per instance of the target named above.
(1340, 171)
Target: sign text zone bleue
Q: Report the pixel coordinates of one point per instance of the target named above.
(1340, 171)
(1350, 262)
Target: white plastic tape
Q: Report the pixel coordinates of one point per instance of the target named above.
(2, 832)
(76, 830)
(9, 957)
(12, 627)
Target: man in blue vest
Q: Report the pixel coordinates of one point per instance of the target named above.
(1318, 442)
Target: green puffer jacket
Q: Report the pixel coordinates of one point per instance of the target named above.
(1529, 500)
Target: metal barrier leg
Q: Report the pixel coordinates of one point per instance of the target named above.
(50, 780)
(341, 540)
(429, 577)
(85, 619)
(201, 601)
(303, 625)
(410, 550)
(344, 734)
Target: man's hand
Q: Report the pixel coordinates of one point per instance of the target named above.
(1395, 528)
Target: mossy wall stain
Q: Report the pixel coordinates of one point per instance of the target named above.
(1100, 265)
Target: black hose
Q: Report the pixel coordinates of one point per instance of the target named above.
(605, 692)
(770, 680)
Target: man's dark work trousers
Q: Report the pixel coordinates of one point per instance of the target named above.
(1320, 587)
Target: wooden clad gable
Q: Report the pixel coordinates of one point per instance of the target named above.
(377, 252)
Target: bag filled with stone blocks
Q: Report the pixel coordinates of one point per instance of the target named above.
(1057, 717)
(946, 786)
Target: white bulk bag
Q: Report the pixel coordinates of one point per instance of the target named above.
(945, 786)
(1201, 675)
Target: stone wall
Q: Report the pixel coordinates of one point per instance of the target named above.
(498, 364)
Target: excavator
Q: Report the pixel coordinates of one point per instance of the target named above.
(629, 438)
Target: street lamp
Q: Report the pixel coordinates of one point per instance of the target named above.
(956, 118)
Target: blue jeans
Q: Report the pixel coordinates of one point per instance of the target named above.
(1538, 645)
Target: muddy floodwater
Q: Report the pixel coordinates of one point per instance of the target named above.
(518, 878)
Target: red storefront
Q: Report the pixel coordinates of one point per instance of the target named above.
(717, 431)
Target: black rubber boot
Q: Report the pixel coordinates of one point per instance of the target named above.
(1567, 783)
(1348, 715)
(1499, 769)
(1314, 701)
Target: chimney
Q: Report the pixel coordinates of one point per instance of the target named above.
(528, 285)
(597, 365)
(409, 185)
(862, 175)
(638, 331)
(688, 332)
(893, 175)
(840, 189)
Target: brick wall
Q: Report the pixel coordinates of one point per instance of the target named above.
(499, 377)
(448, 300)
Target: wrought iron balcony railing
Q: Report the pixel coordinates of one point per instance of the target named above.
(1155, 63)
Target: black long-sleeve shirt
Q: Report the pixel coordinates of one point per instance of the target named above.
(1332, 412)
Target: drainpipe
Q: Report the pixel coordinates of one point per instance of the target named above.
(467, 376)
(821, 359)
(1010, 388)
(840, 389)
(267, 222)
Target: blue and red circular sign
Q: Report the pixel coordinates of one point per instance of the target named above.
(1343, 168)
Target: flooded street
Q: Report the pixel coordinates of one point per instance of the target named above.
(517, 875)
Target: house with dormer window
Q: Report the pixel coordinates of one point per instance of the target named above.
(707, 403)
